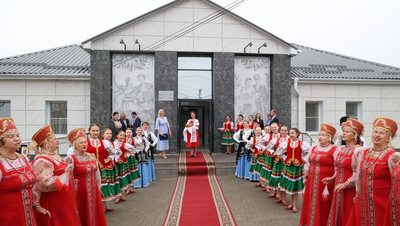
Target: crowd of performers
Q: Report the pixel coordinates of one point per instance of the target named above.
(52, 190)
(343, 184)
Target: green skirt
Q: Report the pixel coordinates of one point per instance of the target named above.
(267, 168)
(260, 163)
(253, 164)
(124, 175)
(109, 184)
(133, 167)
(227, 138)
(291, 180)
(276, 175)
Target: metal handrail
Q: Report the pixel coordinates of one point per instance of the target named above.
(307, 136)
(62, 139)
(25, 145)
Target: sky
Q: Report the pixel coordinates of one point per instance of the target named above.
(365, 29)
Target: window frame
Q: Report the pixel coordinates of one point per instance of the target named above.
(48, 115)
(183, 55)
(319, 116)
(9, 102)
(359, 109)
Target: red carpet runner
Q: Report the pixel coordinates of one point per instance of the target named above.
(198, 198)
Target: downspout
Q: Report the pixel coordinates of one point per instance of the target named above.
(296, 89)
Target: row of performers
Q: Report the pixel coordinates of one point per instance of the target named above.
(345, 185)
(228, 129)
(70, 191)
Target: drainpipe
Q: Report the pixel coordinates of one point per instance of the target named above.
(296, 89)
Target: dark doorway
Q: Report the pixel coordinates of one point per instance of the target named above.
(203, 114)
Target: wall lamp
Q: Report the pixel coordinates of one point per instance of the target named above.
(122, 42)
(137, 42)
(250, 44)
(263, 45)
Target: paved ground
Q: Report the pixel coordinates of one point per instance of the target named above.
(249, 205)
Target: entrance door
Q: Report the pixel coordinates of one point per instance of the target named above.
(203, 114)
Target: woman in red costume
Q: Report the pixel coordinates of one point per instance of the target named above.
(373, 181)
(344, 192)
(16, 179)
(227, 130)
(54, 188)
(87, 173)
(191, 134)
(239, 124)
(102, 149)
(319, 164)
(392, 212)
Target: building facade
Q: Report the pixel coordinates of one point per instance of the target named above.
(46, 87)
(189, 55)
(193, 55)
(327, 86)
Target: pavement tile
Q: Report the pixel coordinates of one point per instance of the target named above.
(249, 205)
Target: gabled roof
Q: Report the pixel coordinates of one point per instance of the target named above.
(65, 60)
(173, 3)
(319, 64)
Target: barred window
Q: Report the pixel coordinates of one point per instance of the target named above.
(57, 116)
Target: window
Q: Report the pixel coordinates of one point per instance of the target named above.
(5, 109)
(353, 110)
(313, 116)
(194, 77)
(57, 116)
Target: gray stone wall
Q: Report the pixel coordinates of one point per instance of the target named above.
(166, 79)
(100, 87)
(223, 93)
(281, 88)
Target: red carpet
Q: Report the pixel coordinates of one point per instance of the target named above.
(198, 198)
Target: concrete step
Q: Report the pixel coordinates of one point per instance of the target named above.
(225, 165)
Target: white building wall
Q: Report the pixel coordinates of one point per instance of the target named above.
(378, 100)
(223, 34)
(28, 103)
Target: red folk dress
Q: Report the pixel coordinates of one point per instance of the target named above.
(90, 207)
(251, 124)
(315, 210)
(16, 191)
(373, 188)
(342, 201)
(190, 144)
(392, 212)
(56, 191)
(239, 125)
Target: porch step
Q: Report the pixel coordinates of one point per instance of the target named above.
(225, 165)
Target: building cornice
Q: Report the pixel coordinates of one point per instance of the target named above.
(67, 77)
(348, 81)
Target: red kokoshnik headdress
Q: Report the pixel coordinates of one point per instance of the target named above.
(43, 134)
(329, 129)
(7, 126)
(355, 125)
(75, 134)
(387, 124)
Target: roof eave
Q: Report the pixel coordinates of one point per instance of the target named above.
(84, 77)
(348, 81)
